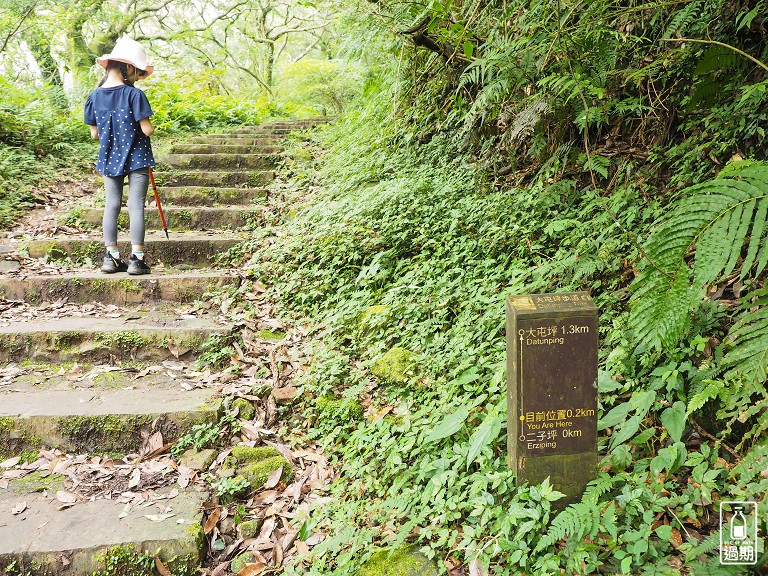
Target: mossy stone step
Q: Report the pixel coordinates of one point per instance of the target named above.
(36, 541)
(190, 249)
(93, 339)
(119, 289)
(210, 196)
(219, 161)
(226, 178)
(186, 218)
(99, 420)
(254, 140)
(224, 149)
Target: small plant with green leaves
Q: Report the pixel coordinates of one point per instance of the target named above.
(200, 436)
(231, 486)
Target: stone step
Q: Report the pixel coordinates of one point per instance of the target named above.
(187, 248)
(254, 140)
(285, 124)
(225, 178)
(49, 539)
(104, 418)
(224, 149)
(186, 218)
(155, 337)
(119, 289)
(210, 196)
(219, 161)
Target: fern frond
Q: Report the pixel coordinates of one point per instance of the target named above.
(710, 391)
(577, 521)
(717, 58)
(720, 219)
(749, 354)
(681, 20)
(713, 568)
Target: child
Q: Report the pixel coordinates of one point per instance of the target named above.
(118, 115)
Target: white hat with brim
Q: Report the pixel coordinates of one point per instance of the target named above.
(128, 51)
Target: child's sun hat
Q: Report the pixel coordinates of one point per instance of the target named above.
(129, 51)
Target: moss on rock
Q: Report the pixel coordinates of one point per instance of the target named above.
(15, 440)
(248, 455)
(37, 482)
(271, 335)
(339, 411)
(250, 528)
(241, 562)
(257, 473)
(245, 409)
(403, 562)
(105, 434)
(394, 365)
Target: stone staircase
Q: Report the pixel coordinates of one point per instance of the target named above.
(103, 362)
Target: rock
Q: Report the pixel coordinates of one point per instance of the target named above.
(227, 526)
(395, 365)
(247, 455)
(246, 411)
(285, 395)
(241, 562)
(198, 459)
(258, 472)
(339, 411)
(9, 266)
(262, 390)
(250, 528)
(43, 532)
(404, 562)
(372, 319)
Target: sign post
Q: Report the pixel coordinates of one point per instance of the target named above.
(552, 390)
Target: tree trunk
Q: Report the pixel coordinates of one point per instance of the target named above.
(41, 50)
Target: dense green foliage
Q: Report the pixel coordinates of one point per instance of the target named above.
(522, 148)
(39, 143)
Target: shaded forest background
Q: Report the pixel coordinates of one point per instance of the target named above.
(483, 150)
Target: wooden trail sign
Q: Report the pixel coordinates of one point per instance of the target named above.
(552, 390)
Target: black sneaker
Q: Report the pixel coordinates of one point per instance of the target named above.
(111, 265)
(136, 266)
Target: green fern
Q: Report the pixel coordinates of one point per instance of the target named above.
(750, 356)
(720, 219)
(578, 521)
(717, 58)
(710, 390)
(682, 19)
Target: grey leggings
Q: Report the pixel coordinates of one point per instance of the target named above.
(138, 182)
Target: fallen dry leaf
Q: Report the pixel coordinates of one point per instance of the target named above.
(476, 568)
(252, 569)
(135, 478)
(19, 508)
(273, 478)
(161, 568)
(211, 521)
(66, 497)
(159, 517)
(676, 539)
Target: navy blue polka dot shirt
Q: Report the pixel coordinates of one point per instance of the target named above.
(116, 112)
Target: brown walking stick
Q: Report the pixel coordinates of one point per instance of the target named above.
(157, 201)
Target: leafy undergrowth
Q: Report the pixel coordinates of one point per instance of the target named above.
(40, 144)
(405, 256)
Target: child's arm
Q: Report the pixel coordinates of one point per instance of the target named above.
(146, 127)
(94, 132)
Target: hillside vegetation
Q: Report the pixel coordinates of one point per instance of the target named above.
(506, 148)
(497, 148)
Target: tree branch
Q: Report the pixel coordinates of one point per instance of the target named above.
(13, 32)
(760, 63)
